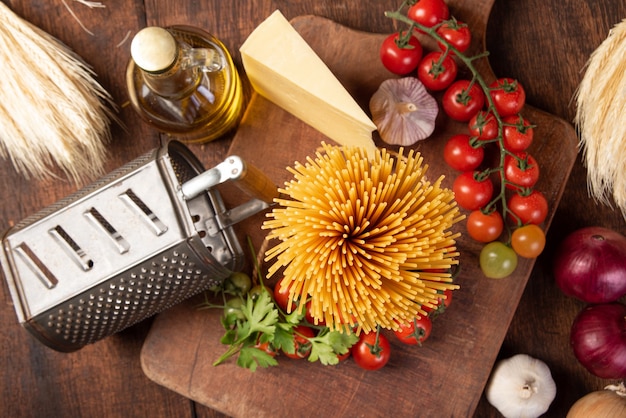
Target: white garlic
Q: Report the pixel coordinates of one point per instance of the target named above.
(403, 111)
(521, 387)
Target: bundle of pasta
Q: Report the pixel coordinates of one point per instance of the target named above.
(367, 241)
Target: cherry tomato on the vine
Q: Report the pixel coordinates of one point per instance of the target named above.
(483, 125)
(517, 133)
(508, 96)
(528, 241)
(485, 227)
(497, 260)
(456, 33)
(471, 193)
(415, 332)
(302, 345)
(399, 56)
(462, 100)
(437, 72)
(429, 12)
(530, 208)
(521, 172)
(460, 154)
(371, 356)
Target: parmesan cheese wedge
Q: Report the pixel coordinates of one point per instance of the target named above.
(284, 69)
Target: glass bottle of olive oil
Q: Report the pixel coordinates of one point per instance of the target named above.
(182, 80)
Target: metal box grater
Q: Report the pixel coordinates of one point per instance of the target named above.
(139, 240)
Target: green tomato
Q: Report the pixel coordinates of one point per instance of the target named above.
(238, 283)
(232, 309)
(497, 260)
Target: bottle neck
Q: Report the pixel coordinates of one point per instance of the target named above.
(176, 81)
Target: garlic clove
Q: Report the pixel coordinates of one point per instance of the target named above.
(521, 387)
(403, 111)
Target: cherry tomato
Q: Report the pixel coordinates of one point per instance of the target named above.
(528, 241)
(517, 133)
(531, 208)
(497, 260)
(429, 12)
(302, 345)
(232, 310)
(485, 227)
(436, 73)
(415, 332)
(265, 346)
(462, 100)
(460, 154)
(508, 96)
(483, 125)
(456, 33)
(522, 171)
(281, 296)
(443, 303)
(398, 56)
(238, 283)
(472, 193)
(371, 356)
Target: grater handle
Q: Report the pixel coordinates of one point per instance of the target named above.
(248, 178)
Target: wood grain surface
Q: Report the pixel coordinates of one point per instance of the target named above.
(544, 43)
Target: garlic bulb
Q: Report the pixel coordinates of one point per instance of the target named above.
(521, 387)
(403, 111)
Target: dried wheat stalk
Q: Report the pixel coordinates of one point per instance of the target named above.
(52, 111)
(601, 119)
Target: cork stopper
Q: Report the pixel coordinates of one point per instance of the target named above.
(153, 49)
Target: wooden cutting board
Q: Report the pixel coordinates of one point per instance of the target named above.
(443, 378)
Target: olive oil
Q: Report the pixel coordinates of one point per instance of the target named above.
(182, 80)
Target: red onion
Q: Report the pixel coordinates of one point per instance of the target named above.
(598, 339)
(590, 264)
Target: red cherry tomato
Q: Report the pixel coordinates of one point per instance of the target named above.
(462, 100)
(302, 345)
(415, 332)
(517, 133)
(483, 126)
(443, 303)
(521, 172)
(281, 296)
(508, 96)
(460, 154)
(531, 208)
(456, 33)
(398, 56)
(528, 241)
(471, 193)
(436, 73)
(485, 227)
(371, 356)
(265, 346)
(429, 12)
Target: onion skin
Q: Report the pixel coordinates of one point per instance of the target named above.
(608, 403)
(598, 339)
(590, 265)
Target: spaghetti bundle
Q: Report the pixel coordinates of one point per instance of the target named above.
(366, 241)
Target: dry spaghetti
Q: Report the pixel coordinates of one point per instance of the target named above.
(367, 241)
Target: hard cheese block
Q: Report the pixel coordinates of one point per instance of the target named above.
(283, 68)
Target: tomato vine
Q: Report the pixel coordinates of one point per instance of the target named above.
(516, 169)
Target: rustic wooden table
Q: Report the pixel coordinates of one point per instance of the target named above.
(543, 43)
